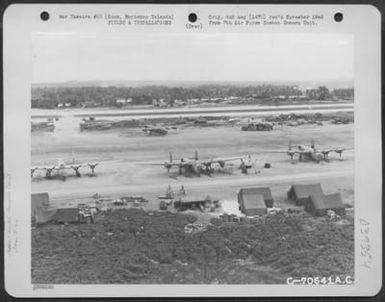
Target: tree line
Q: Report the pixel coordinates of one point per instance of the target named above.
(51, 97)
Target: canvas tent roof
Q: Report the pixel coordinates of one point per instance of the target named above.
(40, 209)
(323, 202)
(304, 191)
(66, 215)
(44, 215)
(193, 198)
(40, 200)
(253, 201)
(264, 191)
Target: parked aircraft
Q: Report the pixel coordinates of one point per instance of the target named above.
(194, 164)
(310, 152)
(61, 165)
(155, 130)
(150, 130)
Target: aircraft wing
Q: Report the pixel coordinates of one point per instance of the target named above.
(43, 167)
(333, 149)
(294, 151)
(63, 167)
(162, 164)
(217, 160)
(325, 150)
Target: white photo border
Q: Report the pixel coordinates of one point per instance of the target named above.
(22, 20)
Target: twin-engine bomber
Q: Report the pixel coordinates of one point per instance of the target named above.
(311, 153)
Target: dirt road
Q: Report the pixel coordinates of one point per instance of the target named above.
(221, 186)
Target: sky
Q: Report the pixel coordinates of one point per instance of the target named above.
(62, 57)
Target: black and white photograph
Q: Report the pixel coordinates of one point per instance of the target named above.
(192, 150)
(206, 159)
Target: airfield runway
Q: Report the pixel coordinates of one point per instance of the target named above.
(248, 110)
(126, 155)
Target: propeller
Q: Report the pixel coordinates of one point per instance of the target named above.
(76, 169)
(291, 154)
(339, 151)
(221, 163)
(243, 167)
(48, 172)
(167, 166)
(325, 153)
(33, 171)
(208, 167)
(92, 166)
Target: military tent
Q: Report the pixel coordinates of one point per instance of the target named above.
(66, 215)
(40, 210)
(264, 191)
(320, 204)
(39, 200)
(183, 203)
(300, 193)
(251, 204)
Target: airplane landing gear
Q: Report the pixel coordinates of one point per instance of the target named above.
(76, 169)
(92, 166)
(48, 173)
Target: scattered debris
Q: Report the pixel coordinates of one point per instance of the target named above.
(294, 119)
(194, 228)
(163, 205)
(261, 126)
(47, 126)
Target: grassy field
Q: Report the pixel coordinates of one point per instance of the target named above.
(134, 246)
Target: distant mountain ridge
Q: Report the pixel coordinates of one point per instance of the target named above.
(331, 84)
